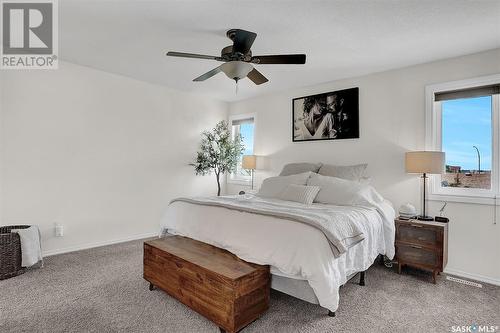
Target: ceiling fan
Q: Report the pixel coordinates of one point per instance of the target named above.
(238, 58)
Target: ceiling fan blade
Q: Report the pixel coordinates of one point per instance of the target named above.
(297, 59)
(208, 74)
(191, 55)
(243, 40)
(257, 77)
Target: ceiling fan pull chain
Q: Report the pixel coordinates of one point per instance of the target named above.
(236, 86)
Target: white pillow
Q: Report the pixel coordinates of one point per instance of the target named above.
(337, 191)
(351, 172)
(272, 187)
(299, 193)
(368, 196)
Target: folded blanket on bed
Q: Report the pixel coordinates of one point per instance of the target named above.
(337, 225)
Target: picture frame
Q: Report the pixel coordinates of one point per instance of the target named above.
(327, 116)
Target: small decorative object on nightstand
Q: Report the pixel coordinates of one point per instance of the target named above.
(422, 244)
(248, 192)
(407, 211)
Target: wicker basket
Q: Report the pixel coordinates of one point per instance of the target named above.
(10, 252)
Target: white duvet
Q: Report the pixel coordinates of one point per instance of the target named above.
(292, 249)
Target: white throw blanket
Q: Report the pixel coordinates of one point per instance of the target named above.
(338, 226)
(31, 249)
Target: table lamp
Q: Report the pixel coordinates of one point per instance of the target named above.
(249, 162)
(425, 162)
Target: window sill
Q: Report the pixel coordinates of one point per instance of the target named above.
(243, 182)
(470, 199)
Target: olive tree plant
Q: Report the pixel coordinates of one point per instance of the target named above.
(219, 152)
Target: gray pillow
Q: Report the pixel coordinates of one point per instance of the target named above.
(296, 168)
(350, 172)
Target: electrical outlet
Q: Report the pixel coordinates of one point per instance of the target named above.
(59, 230)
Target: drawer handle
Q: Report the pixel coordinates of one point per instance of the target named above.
(415, 246)
(417, 225)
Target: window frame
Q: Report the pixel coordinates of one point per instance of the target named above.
(231, 178)
(433, 141)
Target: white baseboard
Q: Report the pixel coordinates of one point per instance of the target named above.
(476, 277)
(98, 244)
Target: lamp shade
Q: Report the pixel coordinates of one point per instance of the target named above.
(431, 162)
(249, 162)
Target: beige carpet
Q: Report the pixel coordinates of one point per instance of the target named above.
(102, 290)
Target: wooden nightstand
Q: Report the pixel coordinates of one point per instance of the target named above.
(422, 244)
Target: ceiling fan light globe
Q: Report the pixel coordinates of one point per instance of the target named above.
(236, 70)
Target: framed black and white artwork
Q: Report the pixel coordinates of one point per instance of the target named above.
(328, 116)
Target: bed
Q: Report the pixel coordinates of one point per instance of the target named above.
(309, 258)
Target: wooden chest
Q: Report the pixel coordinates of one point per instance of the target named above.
(422, 244)
(215, 283)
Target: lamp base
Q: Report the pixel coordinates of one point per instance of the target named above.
(425, 218)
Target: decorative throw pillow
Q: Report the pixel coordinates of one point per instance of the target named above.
(351, 172)
(296, 168)
(299, 193)
(272, 187)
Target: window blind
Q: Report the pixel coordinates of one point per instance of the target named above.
(467, 93)
(236, 122)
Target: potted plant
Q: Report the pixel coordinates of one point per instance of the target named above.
(218, 152)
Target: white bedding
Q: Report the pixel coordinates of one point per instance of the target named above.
(339, 225)
(291, 248)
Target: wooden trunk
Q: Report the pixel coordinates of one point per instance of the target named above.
(215, 283)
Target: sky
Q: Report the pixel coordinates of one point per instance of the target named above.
(467, 123)
(246, 131)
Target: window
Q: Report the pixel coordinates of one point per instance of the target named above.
(467, 142)
(463, 121)
(244, 125)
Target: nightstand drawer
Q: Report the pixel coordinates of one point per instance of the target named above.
(417, 255)
(417, 233)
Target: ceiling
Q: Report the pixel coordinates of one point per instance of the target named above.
(341, 38)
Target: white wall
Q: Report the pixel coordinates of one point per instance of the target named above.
(392, 121)
(99, 153)
(1, 146)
